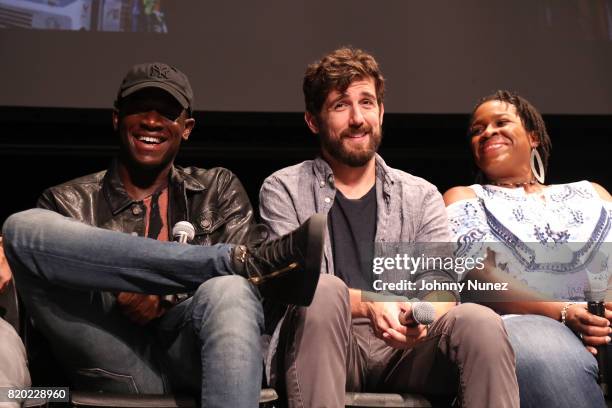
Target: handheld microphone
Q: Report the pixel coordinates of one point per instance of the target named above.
(596, 306)
(422, 313)
(183, 232)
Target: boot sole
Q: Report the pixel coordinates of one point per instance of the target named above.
(313, 256)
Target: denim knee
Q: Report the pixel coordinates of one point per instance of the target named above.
(552, 365)
(12, 225)
(531, 337)
(25, 220)
(19, 229)
(16, 233)
(227, 302)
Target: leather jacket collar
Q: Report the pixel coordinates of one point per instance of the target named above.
(118, 199)
(180, 186)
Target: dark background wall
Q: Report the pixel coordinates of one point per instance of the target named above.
(246, 60)
(439, 56)
(40, 147)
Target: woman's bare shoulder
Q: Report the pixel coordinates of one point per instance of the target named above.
(458, 193)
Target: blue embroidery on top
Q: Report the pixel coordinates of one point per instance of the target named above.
(569, 191)
(491, 192)
(577, 217)
(548, 234)
(518, 213)
(526, 255)
(466, 241)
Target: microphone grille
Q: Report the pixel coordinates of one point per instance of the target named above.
(423, 312)
(183, 227)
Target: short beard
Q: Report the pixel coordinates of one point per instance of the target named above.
(352, 157)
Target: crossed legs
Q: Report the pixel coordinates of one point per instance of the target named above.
(62, 267)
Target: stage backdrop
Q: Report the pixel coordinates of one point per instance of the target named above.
(438, 56)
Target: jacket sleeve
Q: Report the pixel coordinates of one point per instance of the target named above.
(67, 203)
(47, 201)
(433, 235)
(433, 226)
(234, 204)
(276, 208)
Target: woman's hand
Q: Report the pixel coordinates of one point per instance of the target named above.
(593, 330)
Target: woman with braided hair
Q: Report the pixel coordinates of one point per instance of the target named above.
(518, 222)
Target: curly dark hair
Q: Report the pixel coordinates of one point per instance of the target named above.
(337, 70)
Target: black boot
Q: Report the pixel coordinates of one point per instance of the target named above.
(286, 269)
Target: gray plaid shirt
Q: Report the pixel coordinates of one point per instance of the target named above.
(410, 209)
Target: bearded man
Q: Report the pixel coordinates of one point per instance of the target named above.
(350, 339)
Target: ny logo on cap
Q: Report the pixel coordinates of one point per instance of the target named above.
(158, 71)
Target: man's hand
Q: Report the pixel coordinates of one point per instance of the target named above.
(384, 318)
(594, 330)
(5, 270)
(139, 308)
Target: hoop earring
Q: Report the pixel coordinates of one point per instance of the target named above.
(538, 173)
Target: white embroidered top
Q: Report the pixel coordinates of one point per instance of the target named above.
(557, 242)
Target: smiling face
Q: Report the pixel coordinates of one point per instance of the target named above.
(500, 144)
(349, 124)
(151, 126)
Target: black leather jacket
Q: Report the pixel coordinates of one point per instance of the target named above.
(214, 201)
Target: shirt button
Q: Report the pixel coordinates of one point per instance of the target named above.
(205, 223)
(327, 200)
(322, 184)
(136, 210)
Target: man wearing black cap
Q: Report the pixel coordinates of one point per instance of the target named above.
(130, 338)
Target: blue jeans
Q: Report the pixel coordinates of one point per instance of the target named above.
(553, 367)
(210, 343)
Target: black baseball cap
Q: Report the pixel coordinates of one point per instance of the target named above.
(157, 75)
